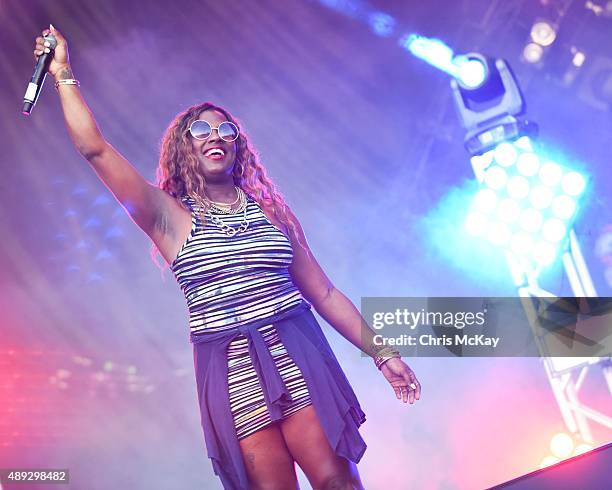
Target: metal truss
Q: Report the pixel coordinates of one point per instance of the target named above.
(566, 375)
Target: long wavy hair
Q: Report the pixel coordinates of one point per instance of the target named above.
(178, 171)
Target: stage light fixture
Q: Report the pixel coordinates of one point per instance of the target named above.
(522, 243)
(538, 226)
(484, 89)
(579, 58)
(531, 220)
(548, 461)
(496, 178)
(543, 33)
(472, 71)
(491, 112)
(544, 253)
(505, 154)
(528, 164)
(509, 210)
(562, 445)
(550, 174)
(541, 197)
(564, 207)
(573, 183)
(518, 187)
(523, 206)
(532, 53)
(601, 8)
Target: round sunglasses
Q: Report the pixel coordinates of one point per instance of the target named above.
(202, 130)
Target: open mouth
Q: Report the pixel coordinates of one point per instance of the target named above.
(215, 154)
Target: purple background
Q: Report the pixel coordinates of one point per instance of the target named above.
(363, 141)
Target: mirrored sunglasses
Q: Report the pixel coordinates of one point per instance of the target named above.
(202, 130)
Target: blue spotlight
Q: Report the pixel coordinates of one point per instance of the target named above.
(528, 164)
(550, 174)
(573, 183)
(509, 210)
(526, 208)
(531, 220)
(525, 205)
(472, 70)
(382, 24)
(496, 178)
(486, 93)
(432, 51)
(505, 154)
(518, 187)
(553, 230)
(564, 207)
(541, 197)
(521, 243)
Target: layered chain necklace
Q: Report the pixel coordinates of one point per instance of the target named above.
(225, 208)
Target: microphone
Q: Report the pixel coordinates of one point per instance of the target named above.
(38, 78)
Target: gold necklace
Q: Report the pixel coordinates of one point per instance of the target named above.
(227, 229)
(223, 208)
(229, 210)
(227, 204)
(206, 206)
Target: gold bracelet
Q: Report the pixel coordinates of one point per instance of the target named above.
(395, 356)
(384, 354)
(67, 81)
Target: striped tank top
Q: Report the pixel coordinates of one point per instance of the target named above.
(230, 281)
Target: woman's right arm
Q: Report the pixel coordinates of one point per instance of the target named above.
(149, 206)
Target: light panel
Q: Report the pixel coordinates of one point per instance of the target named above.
(526, 203)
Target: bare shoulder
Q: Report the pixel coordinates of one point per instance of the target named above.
(298, 226)
(268, 210)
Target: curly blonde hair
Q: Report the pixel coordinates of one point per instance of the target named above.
(178, 173)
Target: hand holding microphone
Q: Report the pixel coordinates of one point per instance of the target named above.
(51, 54)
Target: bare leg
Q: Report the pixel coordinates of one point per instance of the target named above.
(268, 462)
(309, 447)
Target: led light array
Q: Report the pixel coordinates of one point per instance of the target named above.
(526, 204)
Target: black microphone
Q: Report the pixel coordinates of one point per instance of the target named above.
(38, 78)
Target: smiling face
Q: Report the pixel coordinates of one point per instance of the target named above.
(215, 156)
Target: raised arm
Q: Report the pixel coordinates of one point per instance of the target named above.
(147, 204)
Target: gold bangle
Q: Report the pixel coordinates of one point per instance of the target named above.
(384, 354)
(380, 364)
(67, 81)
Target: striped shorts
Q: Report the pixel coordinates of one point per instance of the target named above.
(247, 402)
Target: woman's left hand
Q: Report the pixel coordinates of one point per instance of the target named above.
(402, 380)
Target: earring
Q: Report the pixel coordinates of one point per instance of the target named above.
(241, 170)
